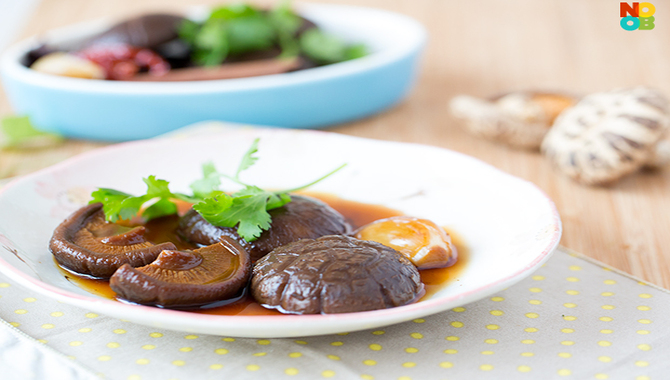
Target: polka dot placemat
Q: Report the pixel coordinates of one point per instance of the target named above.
(572, 319)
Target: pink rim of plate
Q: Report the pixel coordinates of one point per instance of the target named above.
(148, 311)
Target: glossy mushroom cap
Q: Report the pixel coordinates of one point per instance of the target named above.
(85, 243)
(334, 274)
(180, 279)
(302, 218)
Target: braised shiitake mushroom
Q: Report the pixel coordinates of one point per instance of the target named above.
(87, 244)
(186, 278)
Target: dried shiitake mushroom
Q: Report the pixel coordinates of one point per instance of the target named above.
(85, 243)
(186, 278)
(519, 119)
(609, 135)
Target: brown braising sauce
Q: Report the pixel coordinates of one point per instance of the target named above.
(357, 214)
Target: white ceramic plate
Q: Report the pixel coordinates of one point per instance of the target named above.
(509, 225)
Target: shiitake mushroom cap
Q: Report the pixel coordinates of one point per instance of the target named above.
(87, 244)
(334, 274)
(182, 279)
(302, 218)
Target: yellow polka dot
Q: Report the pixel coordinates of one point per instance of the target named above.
(155, 335)
(446, 364)
(294, 355)
(228, 339)
(300, 342)
(104, 358)
(328, 373)
(643, 308)
(496, 312)
(572, 279)
(189, 349)
(4, 285)
(606, 331)
(119, 331)
(291, 371)
(419, 320)
(411, 350)
(378, 332)
(253, 367)
(564, 355)
(538, 278)
(572, 292)
(570, 305)
(76, 343)
(644, 321)
(29, 299)
(604, 343)
(458, 309)
(575, 267)
(221, 351)
(180, 363)
(569, 318)
(42, 341)
(535, 302)
(530, 329)
(134, 377)
(369, 362)
(142, 361)
(457, 324)
(644, 347)
(567, 331)
(642, 378)
(523, 368)
(344, 333)
(375, 347)
(645, 295)
(486, 367)
(416, 335)
(91, 315)
(452, 338)
(601, 376)
(607, 294)
(491, 341)
(333, 357)
(15, 324)
(641, 363)
(216, 366)
(527, 341)
(191, 337)
(492, 327)
(148, 347)
(604, 359)
(564, 372)
(264, 342)
(643, 332)
(113, 345)
(535, 290)
(487, 352)
(608, 307)
(48, 326)
(367, 377)
(336, 344)
(606, 319)
(527, 354)
(85, 330)
(450, 351)
(20, 311)
(404, 378)
(409, 364)
(57, 314)
(532, 315)
(567, 342)
(609, 282)
(497, 299)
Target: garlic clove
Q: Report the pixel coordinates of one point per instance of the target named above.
(68, 65)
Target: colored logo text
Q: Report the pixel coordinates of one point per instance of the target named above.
(637, 16)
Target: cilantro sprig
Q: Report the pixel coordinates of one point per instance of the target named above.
(247, 209)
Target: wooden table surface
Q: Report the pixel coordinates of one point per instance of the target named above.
(485, 47)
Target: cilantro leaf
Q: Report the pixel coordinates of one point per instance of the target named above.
(248, 159)
(19, 132)
(209, 182)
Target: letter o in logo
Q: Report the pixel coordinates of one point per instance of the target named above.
(626, 20)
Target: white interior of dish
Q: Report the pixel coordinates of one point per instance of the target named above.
(388, 35)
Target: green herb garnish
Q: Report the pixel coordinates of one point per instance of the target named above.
(19, 132)
(240, 28)
(247, 209)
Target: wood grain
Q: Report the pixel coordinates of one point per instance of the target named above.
(482, 48)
